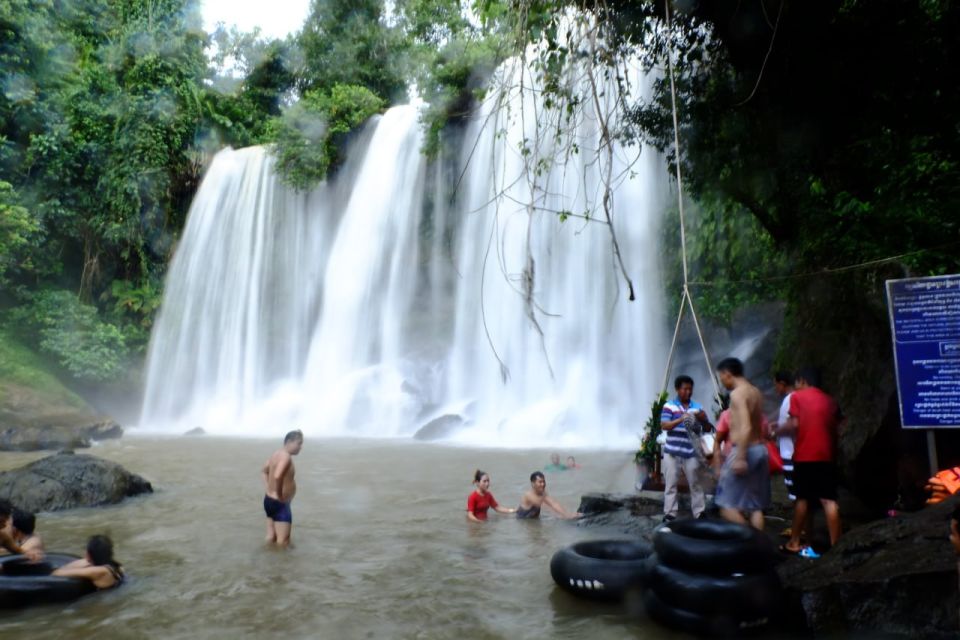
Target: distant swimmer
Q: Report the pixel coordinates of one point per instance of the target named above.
(97, 565)
(482, 500)
(572, 463)
(555, 464)
(278, 476)
(534, 499)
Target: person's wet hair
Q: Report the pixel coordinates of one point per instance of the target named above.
(537, 474)
(732, 366)
(24, 521)
(478, 475)
(682, 380)
(6, 509)
(783, 377)
(292, 436)
(810, 375)
(100, 549)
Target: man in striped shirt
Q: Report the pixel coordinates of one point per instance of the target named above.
(678, 452)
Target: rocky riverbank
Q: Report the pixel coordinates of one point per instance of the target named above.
(38, 417)
(895, 577)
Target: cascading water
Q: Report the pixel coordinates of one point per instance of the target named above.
(378, 302)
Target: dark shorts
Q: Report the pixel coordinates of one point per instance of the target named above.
(276, 510)
(815, 480)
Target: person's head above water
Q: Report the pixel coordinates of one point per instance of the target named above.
(293, 442)
(6, 510)
(538, 481)
(555, 458)
(482, 480)
(24, 522)
(100, 550)
(571, 461)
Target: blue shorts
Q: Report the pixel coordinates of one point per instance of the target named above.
(276, 510)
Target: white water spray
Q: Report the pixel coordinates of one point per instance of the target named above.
(377, 302)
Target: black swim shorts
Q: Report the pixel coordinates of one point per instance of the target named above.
(815, 480)
(276, 510)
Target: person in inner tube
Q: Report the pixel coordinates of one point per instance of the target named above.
(8, 539)
(24, 526)
(533, 500)
(97, 565)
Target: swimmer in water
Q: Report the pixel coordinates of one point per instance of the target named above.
(24, 527)
(481, 500)
(97, 565)
(534, 499)
(281, 486)
(572, 463)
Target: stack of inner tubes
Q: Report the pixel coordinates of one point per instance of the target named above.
(24, 583)
(602, 569)
(712, 578)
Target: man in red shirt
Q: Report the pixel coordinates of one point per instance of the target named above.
(814, 418)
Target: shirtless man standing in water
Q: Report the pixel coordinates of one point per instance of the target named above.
(278, 476)
(744, 485)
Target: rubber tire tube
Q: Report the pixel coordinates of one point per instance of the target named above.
(601, 569)
(23, 583)
(698, 624)
(713, 547)
(743, 596)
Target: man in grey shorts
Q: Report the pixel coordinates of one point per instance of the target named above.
(744, 485)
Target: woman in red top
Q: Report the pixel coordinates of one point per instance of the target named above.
(481, 499)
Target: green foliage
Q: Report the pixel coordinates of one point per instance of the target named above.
(649, 449)
(18, 230)
(72, 333)
(311, 135)
(347, 42)
(730, 258)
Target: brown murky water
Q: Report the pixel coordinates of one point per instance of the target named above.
(382, 547)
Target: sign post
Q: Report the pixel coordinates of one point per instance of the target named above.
(925, 324)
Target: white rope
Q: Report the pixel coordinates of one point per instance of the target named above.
(686, 297)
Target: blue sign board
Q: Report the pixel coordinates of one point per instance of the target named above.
(925, 322)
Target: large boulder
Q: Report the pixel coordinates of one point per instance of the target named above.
(897, 576)
(66, 481)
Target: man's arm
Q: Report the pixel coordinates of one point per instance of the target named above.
(283, 465)
(665, 423)
(560, 511)
(786, 429)
(266, 475)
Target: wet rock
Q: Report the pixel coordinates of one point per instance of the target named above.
(32, 420)
(439, 428)
(67, 481)
(196, 431)
(57, 435)
(897, 576)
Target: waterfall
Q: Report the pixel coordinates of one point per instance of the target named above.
(405, 290)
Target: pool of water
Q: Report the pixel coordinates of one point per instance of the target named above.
(382, 547)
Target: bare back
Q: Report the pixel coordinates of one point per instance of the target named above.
(746, 414)
(279, 474)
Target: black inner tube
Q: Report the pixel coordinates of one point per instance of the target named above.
(24, 583)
